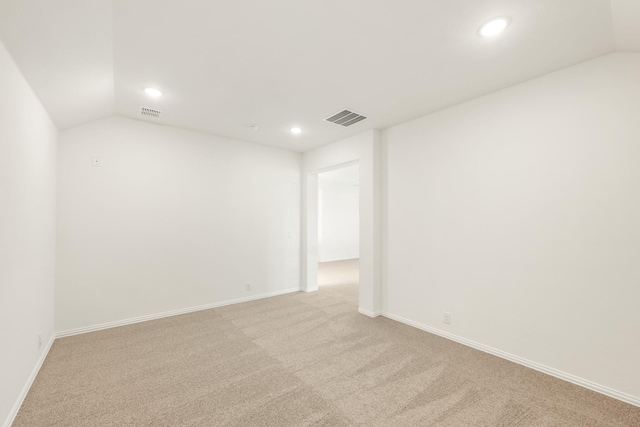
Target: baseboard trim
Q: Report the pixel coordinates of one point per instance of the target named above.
(339, 259)
(369, 313)
(171, 313)
(632, 400)
(27, 386)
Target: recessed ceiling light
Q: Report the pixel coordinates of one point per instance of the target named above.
(494, 27)
(296, 130)
(152, 92)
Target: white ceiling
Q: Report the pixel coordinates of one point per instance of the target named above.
(65, 50)
(224, 65)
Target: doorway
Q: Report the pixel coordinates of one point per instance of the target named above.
(339, 233)
(365, 151)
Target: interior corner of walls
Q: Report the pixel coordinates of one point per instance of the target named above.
(29, 382)
(377, 135)
(28, 168)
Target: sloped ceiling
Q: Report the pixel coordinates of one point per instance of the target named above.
(226, 65)
(64, 48)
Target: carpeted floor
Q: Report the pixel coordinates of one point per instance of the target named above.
(297, 360)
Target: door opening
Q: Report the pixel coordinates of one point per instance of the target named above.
(339, 233)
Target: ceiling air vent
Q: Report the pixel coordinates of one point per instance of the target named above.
(346, 118)
(150, 112)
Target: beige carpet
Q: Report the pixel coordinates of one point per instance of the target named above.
(297, 360)
(340, 280)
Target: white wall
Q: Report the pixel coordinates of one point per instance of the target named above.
(27, 233)
(172, 219)
(519, 213)
(339, 222)
(364, 150)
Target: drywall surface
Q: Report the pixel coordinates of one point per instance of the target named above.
(170, 219)
(338, 222)
(364, 150)
(27, 233)
(626, 14)
(518, 213)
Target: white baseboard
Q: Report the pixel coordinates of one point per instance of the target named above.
(338, 259)
(369, 313)
(27, 385)
(155, 316)
(310, 289)
(516, 359)
(43, 356)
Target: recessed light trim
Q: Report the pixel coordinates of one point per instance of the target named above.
(153, 92)
(494, 27)
(296, 130)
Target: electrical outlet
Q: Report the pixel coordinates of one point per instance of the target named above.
(446, 318)
(247, 287)
(39, 340)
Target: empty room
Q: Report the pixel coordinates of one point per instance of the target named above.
(320, 213)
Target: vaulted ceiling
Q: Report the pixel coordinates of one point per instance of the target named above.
(226, 65)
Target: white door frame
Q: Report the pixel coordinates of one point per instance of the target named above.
(362, 150)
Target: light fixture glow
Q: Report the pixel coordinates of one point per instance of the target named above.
(296, 130)
(494, 27)
(152, 92)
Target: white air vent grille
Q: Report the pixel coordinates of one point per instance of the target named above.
(346, 118)
(150, 112)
